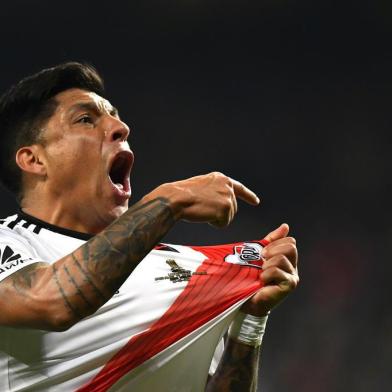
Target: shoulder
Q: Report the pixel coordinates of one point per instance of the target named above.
(16, 251)
(14, 239)
(13, 229)
(14, 223)
(7, 228)
(9, 220)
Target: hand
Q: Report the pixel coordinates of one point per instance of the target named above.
(210, 198)
(279, 275)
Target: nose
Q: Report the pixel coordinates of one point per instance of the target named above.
(116, 130)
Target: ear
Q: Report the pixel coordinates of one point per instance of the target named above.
(30, 160)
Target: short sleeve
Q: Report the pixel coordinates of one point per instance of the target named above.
(15, 254)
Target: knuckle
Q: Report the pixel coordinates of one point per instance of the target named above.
(223, 179)
(222, 218)
(273, 270)
(217, 174)
(282, 259)
(291, 240)
(225, 206)
(291, 248)
(289, 284)
(294, 282)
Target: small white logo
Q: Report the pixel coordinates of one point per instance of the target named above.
(248, 253)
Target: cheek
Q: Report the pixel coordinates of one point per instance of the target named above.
(73, 164)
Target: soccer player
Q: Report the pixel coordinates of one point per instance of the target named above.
(89, 298)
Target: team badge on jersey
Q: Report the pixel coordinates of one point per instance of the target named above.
(248, 253)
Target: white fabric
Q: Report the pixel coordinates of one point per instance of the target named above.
(35, 360)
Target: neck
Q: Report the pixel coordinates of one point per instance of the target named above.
(57, 213)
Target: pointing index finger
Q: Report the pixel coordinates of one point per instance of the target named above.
(244, 193)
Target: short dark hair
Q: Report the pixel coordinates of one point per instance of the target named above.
(26, 106)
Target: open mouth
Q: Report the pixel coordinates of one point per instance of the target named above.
(120, 171)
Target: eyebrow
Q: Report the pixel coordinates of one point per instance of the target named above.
(90, 106)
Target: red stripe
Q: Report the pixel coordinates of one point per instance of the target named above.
(204, 298)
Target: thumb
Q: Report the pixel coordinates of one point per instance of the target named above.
(278, 233)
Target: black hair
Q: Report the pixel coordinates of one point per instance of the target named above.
(26, 107)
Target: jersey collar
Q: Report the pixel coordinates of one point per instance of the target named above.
(61, 230)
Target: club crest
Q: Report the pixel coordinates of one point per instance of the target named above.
(248, 253)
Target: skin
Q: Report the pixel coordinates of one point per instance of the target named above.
(79, 141)
(66, 183)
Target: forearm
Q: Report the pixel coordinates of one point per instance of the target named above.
(88, 277)
(237, 370)
(78, 284)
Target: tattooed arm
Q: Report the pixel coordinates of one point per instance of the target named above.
(55, 297)
(237, 370)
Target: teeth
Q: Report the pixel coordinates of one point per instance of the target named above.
(121, 186)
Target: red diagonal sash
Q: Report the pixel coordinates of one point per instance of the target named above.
(203, 298)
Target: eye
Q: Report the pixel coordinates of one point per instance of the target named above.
(85, 119)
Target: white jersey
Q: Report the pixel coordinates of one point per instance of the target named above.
(159, 332)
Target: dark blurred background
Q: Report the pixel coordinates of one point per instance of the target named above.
(293, 98)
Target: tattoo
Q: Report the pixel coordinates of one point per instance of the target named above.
(63, 294)
(84, 280)
(116, 251)
(101, 266)
(72, 280)
(88, 280)
(23, 279)
(237, 370)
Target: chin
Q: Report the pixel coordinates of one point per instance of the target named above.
(117, 211)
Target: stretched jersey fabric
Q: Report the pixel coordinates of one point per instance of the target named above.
(158, 332)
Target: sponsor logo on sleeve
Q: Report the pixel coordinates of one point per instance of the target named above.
(9, 259)
(248, 253)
